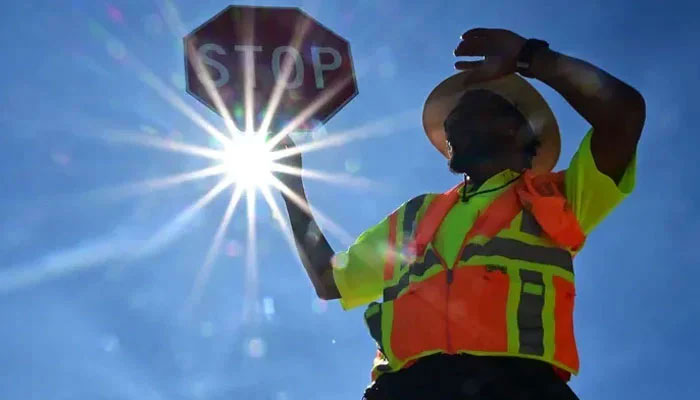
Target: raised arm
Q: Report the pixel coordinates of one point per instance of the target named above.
(615, 110)
(313, 248)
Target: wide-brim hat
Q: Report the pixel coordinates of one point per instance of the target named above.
(526, 99)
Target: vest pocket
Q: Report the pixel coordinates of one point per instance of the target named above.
(477, 302)
(565, 342)
(418, 322)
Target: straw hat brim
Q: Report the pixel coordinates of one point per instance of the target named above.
(443, 99)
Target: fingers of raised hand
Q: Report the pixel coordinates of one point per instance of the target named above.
(476, 33)
(476, 42)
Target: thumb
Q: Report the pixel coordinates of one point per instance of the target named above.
(472, 71)
(479, 71)
(468, 65)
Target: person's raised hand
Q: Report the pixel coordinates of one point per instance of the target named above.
(499, 47)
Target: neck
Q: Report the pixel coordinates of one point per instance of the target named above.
(479, 177)
(477, 182)
(482, 173)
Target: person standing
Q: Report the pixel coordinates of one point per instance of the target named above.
(470, 293)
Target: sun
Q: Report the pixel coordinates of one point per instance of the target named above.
(248, 161)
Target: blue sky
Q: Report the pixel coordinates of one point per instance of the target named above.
(92, 306)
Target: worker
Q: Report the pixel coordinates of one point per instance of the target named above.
(471, 292)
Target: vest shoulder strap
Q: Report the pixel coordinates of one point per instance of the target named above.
(489, 223)
(433, 217)
(542, 194)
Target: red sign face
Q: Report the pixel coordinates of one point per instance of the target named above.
(270, 53)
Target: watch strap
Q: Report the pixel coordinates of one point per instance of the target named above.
(524, 59)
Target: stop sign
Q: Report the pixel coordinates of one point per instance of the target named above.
(250, 49)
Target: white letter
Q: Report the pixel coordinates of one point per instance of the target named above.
(319, 68)
(223, 72)
(249, 62)
(298, 66)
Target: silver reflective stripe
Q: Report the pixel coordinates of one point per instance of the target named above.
(429, 260)
(410, 222)
(529, 225)
(392, 292)
(530, 326)
(410, 212)
(373, 318)
(417, 269)
(517, 250)
(409, 216)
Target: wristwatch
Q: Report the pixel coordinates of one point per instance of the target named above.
(522, 65)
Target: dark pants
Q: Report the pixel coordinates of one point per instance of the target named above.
(466, 377)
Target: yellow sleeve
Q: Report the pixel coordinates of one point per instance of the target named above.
(359, 271)
(591, 193)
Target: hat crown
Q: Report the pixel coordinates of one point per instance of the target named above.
(514, 89)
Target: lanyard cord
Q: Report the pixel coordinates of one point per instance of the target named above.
(466, 198)
(464, 190)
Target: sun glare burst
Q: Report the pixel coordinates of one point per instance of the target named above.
(247, 160)
(247, 163)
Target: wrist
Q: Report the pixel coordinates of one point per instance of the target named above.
(526, 55)
(295, 186)
(544, 63)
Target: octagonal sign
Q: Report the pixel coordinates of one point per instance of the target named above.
(251, 60)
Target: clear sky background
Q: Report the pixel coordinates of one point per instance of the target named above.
(93, 289)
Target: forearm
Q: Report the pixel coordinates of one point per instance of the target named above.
(313, 248)
(615, 110)
(599, 97)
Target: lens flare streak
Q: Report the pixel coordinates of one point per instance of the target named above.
(385, 126)
(334, 228)
(206, 79)
(250, 300)
(147, 186)
(205, 269)
(281, 82)
(307, 112)
(163, 144)
(345, 179)
(220, 154)
(176, 101)
(185, 216)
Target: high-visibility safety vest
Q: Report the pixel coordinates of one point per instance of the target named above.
(510, 291)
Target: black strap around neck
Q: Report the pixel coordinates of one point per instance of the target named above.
(466, 197)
